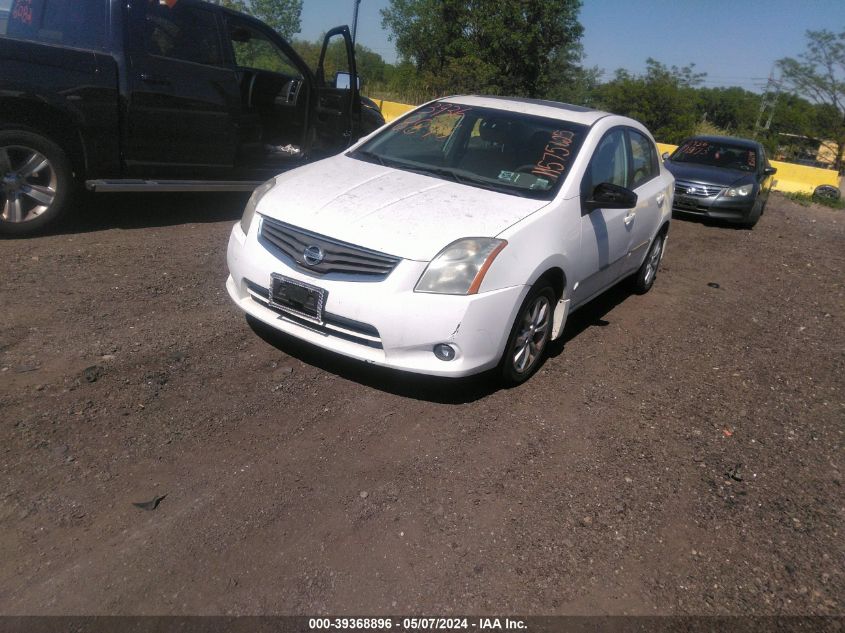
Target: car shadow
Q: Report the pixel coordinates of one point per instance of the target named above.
(433, 388)
(705, 221)
(127, 211)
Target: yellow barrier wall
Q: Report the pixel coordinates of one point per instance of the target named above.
(790, 178)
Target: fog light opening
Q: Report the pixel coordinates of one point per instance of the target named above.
(444, 352)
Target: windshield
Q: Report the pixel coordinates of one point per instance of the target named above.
(716, 154)
(505, 151)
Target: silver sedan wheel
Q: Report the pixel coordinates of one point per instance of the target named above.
(532, 335)
(28, 186)
(653, 259)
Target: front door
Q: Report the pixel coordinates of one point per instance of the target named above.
(183, 102)
(651, 198)
(338, 111)
(605, 233)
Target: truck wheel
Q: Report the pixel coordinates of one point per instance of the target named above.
(36, 182)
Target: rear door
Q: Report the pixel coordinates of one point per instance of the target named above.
(650, 187)
(183, 102)
(338, 109)
(605, 233)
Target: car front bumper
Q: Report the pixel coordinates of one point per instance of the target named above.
(382, 322)
(715, 207)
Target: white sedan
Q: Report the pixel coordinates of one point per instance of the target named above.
(458, 238)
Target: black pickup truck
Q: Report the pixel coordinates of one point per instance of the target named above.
(158, 95)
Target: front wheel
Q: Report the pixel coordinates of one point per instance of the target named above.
(37, 182)
(644, 278)
(529, 336)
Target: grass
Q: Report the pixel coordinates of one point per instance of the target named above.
(806, 199)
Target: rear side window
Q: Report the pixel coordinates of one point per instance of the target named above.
(181, 31)
(644, 159)
(76, 23)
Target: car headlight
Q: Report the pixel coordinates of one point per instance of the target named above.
(249, 210)
(460, 267)
(738, 192)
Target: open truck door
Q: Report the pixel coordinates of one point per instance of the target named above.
(338, 112)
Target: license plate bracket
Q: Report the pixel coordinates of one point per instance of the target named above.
(297, 297)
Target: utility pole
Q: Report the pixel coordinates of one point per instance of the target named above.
(355, 19)
(767, 104)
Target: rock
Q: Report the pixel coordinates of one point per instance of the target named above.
(587, 521)
(93, 373)
(363, 494)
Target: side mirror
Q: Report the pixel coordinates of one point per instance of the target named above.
(240, 35)
(770, 171)
(665, 156)
(610, 196)
(343, 81)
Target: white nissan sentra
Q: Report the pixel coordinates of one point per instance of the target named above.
(458, 238)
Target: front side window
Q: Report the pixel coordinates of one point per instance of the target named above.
(494, 149)
(254, 50)
(609, 163)
(75, 23)
(717, 154)
(181, 31)
(644, 159)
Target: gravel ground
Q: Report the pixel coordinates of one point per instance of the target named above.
(679, 453)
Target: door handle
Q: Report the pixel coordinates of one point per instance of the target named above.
(660, 198)
(629, 218)
(153, 80)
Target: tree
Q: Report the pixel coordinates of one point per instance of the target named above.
(663, 99)
(486, 45)
(284, 16)
(819, 75)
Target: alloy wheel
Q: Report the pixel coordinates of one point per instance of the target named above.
(532, 335)
(653, 259)
(28, 186)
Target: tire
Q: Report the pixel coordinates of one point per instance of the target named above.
(530, 334)
(754, 217)
(643, 279)
(827, 192)
(36, 182)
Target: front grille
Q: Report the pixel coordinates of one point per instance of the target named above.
(338, 257)
(333, 324)
(696, 189)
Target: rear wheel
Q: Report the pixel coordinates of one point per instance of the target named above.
(37, 182)
(529, 336)
(644, 278)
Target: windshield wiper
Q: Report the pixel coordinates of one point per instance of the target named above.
(368, 156)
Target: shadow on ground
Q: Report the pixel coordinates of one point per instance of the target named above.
(104, 211)
(432, 388)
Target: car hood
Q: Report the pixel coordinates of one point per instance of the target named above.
(400, 213)
(708, 174)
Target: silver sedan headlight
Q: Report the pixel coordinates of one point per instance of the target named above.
(254, 199)
(460, 267)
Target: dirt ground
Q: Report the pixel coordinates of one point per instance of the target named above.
(679, 453)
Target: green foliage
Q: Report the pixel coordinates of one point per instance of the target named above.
(282, 15)
(486, 46)
(806, 199)
(819, 75)
(663, 99)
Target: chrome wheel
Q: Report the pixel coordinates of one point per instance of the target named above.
(28, 186)
(532, 335)
(653, 259)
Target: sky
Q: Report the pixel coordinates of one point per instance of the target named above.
(735, 42)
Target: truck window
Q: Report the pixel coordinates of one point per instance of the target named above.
(254, 50)
(75, 23)
(181, 31)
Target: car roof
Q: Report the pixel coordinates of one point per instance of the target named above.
(538, 107)
(734, 140)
